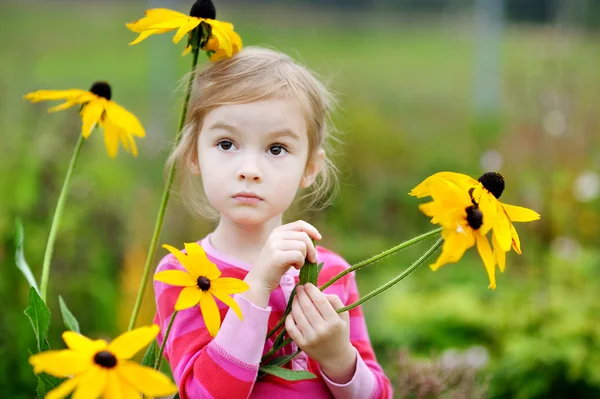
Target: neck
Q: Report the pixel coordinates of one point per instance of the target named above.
(242, 241)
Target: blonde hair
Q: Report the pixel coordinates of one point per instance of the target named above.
(251, 75)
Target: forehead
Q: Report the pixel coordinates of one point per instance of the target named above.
(262, 116)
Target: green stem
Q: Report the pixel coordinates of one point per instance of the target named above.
(362, 264)
(164, 343)
(164, 201)
(60, 206)
(376, 291)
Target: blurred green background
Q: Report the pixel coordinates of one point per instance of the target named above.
(424, 86)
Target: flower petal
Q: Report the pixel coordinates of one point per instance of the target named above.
(90, 116)
(210, 313)
(502, 230)
(520, 214)
(197, 257)
(516, 242)
(70, 95)
(455, 245)
(185, 261)
(427, 186)
(63, 389)
(485, 251)
(83, 344)
(488, 205)
(60, 363)
(145, 380)
(228, 285)
(156, 16)
(499, 254)
(111, 139)
(229, 301)
(128, 344)
(176, 277)
(190, 24)
(188, 297)
(124, 119)
(92, 384)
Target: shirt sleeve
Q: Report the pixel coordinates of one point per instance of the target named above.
(203, 367)
(369, 380)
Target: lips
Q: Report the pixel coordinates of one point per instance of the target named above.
(247, 195)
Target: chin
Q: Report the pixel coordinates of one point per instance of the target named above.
(247, 216)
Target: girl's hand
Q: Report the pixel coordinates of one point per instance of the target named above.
(287, 246)
(321, 332)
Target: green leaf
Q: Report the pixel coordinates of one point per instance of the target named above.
(287, 374)
(176, 396)
(150, 355)
(47, 383)
(39, 315)
(41, 388)
(20, 257)
(70, 321)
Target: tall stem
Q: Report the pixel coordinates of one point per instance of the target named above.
(375, 292)
(164, 201)
(60, 206)
(164, 343)
(362, 264)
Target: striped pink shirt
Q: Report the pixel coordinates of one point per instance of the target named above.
(227, 366)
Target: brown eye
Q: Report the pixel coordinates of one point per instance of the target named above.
(225, 145)
(276, 149)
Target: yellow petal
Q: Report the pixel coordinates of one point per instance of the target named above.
(488, 205)
(92, 383)
(197, 257)
(220, 32)
(425, 188)
(185, 261)
(176, 277)
(188, 26)
(228, 285)
(145, 34)
(83, 344)
(187, 50)
(210, 313)
(516, 242)
(189, 296)
(111, 139)
(62, 106)
(485, 251)
(70, 95)
(156, 16)
(146, 380)
(134, 150)
(124, 119)
(229, 301)
(61, 363)
(90, 115)
(520, 214)
(499, 254)
(502, 230)
(128, 344)
(455, 245)
(63, 389)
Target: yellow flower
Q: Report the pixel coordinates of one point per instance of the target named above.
(205, 32)
(463, 219)
(100, 369)
(202, 281)
(485, 193)
(97, 108)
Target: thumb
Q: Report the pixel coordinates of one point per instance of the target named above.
(337, 303)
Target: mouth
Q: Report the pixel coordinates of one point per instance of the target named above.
(247, 197)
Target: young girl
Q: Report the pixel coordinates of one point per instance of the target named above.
(255, 135)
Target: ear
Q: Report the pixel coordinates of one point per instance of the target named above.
(194, 167)
(313, 167)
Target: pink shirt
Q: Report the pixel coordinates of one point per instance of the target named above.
(226, 366)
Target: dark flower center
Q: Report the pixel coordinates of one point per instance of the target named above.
(203, 283)
(474, 217)
(203, 9)
(105, 359)
(493, 182)
(102, 89)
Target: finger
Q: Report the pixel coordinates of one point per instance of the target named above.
(321, 302)
(301, 225)
(292, 245)
(292, 258)
(293, 331)
(337, 303)
(300, 236)
(300, 318)
(308, 308)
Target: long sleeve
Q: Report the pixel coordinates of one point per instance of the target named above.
(224, 367)
(369, 380)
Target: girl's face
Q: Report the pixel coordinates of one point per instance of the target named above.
(253, 158)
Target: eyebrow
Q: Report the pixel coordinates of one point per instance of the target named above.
(276, 133)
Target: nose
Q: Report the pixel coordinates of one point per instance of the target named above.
(249, 170)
